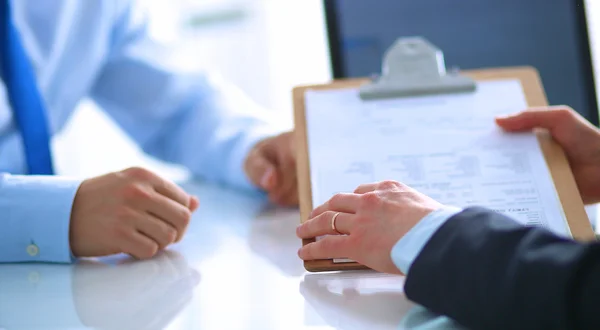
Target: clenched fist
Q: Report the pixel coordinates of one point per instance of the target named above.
(133, 211)
(271, 165)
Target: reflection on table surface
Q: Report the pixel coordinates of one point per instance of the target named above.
(118, 294)
(237, 268)
(367, 300)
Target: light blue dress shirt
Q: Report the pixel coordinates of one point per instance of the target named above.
(407, 249)
(102, 49)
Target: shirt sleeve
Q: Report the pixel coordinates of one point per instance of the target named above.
(410, 245)
(35, 214)
(174, 109)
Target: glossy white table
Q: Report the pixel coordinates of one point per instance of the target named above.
(237, 268)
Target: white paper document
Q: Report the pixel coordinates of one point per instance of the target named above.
(447, 147)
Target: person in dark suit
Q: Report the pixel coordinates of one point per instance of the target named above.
(479, 267)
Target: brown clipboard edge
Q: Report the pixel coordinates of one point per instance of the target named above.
(556, 159)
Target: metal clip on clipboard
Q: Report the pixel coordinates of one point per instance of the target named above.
(414, 67)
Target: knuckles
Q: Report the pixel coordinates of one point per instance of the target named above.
(134, 192)
(336, 199)
(147, 251)
(370, 200)
(138, 173)
(322, 220)
(185, 216)
(565, 112)
(172, 235)
(360, 188)
(389, 185)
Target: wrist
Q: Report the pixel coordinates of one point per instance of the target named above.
(408, 247)
(73, 222)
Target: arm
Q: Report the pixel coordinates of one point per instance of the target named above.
(35, 216)
(182, 115)
(479, 268)
(488, 272)
(410, 245)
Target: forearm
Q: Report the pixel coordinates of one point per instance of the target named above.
(177, 112)
(489, 272)
(214, 133)
(35, 217)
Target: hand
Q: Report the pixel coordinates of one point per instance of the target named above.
(372, 220)
(133, 211)
(579, 139)
(271, 165)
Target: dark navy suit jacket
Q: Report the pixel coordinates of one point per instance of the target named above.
(486, 271)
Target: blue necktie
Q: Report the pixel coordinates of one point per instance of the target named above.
(23, 95)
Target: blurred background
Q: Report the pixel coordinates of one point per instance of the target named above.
(266, 47)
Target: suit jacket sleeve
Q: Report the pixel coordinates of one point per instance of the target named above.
(486, 271)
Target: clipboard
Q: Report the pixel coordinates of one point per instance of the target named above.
(411, 67)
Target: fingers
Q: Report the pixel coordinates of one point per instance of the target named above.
(172, 191)
(139, 246)
(194, 204)
(288, 197)
(322, 225)
(349, 202)
(170, 212)
(365, 188)
(160, 185)
(261, 171)
(159, 231)
(343, 202)
(271, 165)
(328, 247)
(278, 179)
(548, 117)
(160, 199)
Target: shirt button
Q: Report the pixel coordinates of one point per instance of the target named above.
(33, 250)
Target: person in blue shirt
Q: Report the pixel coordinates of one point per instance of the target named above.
(53, 54)
(479, 267)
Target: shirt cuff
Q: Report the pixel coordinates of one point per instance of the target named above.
(410, 245)
(238, 174)
(36, 216)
